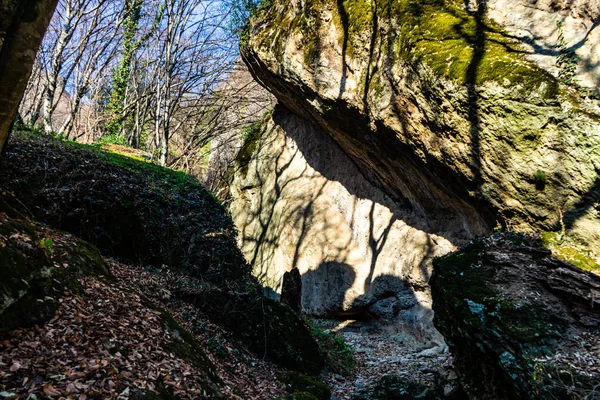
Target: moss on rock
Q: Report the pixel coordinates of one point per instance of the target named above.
(251, 139)
(569, 250)
(37, 265)
(508, 310)
(435, 89)
(298, 383)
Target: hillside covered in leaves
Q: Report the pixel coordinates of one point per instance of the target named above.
(121, 279)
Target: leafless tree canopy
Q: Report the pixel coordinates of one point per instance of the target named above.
(186, 97)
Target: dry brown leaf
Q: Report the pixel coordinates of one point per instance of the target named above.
(50, 390)
(71, 388)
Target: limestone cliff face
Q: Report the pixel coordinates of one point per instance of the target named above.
(548, 29)
(300, 201)
(441, 111)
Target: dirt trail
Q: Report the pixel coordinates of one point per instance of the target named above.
(386, 350)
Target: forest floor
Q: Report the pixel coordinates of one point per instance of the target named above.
(113, 343)
(382, 350)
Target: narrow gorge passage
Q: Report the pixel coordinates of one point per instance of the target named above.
(301, 202)
(300, 199)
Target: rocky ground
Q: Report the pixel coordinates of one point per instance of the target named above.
(382, 350)
(116, 341)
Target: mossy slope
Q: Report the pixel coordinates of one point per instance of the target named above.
(130, 209)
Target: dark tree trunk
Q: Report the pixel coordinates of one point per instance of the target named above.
(22, 27)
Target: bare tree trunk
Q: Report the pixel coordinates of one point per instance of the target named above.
(157, 135)
(57, 64)
(23, 26)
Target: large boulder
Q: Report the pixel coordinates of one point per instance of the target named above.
(520, 323)
(441, 107)
(415, 126)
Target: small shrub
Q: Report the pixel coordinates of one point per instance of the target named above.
(540, 176)
(338, 355)
(47, 245)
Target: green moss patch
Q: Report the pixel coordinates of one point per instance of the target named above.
(250, 142)
(569, 250)
(463, 46)
(37, 265)
(299, 384)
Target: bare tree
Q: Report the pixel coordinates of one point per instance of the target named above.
(82, 33)
(162, 72)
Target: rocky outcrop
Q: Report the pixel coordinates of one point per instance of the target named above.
(129, 209)
(430, 124)
(291, 290)
(300, 202)
(440, 106)
(519, 323)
